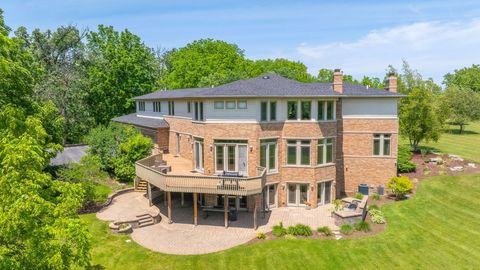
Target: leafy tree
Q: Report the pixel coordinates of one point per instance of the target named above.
(283, 67)
(404, 163)
(467, 77)
(326, 76)
(15, 64)
(460, 105)
(203, 63)
(39, 226)
(61, 78)
(419, 117)
(373, 82)
(133, 149)
(400, 186)
(104, 142)
(120, 67)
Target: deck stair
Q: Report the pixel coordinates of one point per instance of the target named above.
(145, 220)
(141, 186)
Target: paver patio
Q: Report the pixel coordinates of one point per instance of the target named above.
(182, 237)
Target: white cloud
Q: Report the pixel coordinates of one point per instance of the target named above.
(434, 48)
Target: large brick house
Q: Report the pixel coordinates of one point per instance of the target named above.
(268, 141)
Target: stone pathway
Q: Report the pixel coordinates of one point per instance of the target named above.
(182, 237)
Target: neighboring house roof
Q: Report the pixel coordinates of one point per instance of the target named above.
(270, 85)
(70, 154)
(133, 119)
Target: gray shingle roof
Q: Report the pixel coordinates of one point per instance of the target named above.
(270, 85)
(70, 154)
(133, 119)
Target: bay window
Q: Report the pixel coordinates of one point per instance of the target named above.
(325, 151)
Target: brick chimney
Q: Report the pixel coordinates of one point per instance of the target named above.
(338, 81)
(391, 83)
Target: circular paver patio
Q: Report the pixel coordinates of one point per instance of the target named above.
(182, 237)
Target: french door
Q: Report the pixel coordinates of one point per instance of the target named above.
(324, 193)
(297, 194)
(231, 158)
(199, 155)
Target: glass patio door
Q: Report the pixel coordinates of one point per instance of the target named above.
(324, 192)
(297, 194)
(271, 196)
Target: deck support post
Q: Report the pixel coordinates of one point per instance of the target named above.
(169, 202)
(195, 214)
(182, 199)
(149, 193)
(255, 214)
(164, 198)
(225, 207)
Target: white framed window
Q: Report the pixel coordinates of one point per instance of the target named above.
(171, 108)
(268, 155)
(198, 109)
(381, 144)
(157, 106)
(141, 106)
(231, 105)
(326, 110)
(231, 156)
(263, 111)
(298, 152)
(219, 105)
(241, 104)
(325, 151)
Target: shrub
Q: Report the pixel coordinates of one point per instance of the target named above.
(133, 149)
(377, 216)
(373, 207)
(362, 226)
(400, 186)
(300, 229)
(404, 163)
(261, 235)
(358, 195)
(290, 237)
(337, 204)
(346, 229)
(325, 230)
(376, 196)
(279, 230)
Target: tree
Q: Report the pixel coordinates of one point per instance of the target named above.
(326, 76)
(460, 105)
(283, 67)
(61, 78)
(104, 142)
(15, 64)
(373, 82)
(467, 77)
(419, 117)
(39, 226)
(120, 67)
(203, 63)
(130, 151)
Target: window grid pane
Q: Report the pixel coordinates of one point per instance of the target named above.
(305, 155)
(320, 150)
(263, 116)
(263, 155)
(230, 104)
(321, 110)
(292, 110)
(219, 154)
(273, 111)
(241, 104)
(386, 147)
(272, 157)
(329, 110)
(219, 105)
(306, 110)
(292, 155)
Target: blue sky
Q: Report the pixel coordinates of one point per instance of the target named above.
(361, 37)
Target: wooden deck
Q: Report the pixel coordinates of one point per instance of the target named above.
(180, 165)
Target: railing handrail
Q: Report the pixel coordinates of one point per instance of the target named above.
(140, 163)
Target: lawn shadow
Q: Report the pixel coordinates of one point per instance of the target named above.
(95, 267)
(456, 131)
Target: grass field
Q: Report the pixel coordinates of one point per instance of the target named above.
(436, 229)
(467, 145)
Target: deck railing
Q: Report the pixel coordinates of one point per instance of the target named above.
(153, 170)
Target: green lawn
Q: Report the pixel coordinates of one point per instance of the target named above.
(436, 229)
(467, 145)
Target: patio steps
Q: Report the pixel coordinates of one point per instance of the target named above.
(145, 220)
(141, 186)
